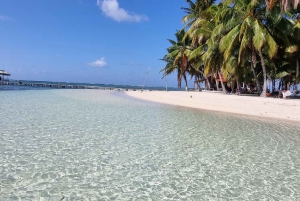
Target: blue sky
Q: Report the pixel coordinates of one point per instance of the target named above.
(90, 41)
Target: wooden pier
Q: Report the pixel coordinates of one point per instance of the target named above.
(62, 85)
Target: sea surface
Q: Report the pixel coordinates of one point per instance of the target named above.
(102, 145)
(32, 85)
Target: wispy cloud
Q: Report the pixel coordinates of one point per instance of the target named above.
(99, 63)
(3, 17)
(112, 9)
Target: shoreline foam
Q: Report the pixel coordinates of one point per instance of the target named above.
(280, 109)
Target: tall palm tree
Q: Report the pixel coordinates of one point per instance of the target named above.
(237, 37)
(170, 68)
(194, 13)
(200, 31)
(252, 34)
(177, 58)
(293, 49)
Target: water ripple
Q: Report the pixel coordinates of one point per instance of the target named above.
(99, 145)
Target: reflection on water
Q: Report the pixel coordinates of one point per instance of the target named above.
(86, 144)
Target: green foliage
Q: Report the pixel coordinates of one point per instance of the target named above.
(237, 37)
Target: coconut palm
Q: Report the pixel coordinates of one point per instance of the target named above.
(200, 30)
(252, 34)
(194, 14)
(293, 49)
(236, 37)
(170, 68)
(177, 58)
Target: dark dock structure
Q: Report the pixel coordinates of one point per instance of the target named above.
(54, 85)
(61, 85)
(3, 73)
(50, 85)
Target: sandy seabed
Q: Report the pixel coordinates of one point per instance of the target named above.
(283, 109)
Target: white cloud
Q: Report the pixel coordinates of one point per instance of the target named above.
(99, 63)
(111, 9)
(3, 17)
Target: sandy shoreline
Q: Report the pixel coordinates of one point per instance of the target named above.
(283, 109)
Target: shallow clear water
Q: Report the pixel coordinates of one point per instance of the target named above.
(101, 145)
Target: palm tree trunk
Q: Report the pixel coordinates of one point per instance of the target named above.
(253, 66)
(207, 87)
(256, 78)
(237, 86)
(297, 73)
(178, 79)
(232, 85)
(186, 84)
(216, 80)
(223, 87)
(208, 84)
(196, 83)
(263, 93)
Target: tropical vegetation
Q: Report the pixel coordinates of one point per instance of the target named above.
(237, 43)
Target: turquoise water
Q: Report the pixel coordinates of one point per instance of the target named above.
(102, 145)
(32, 85)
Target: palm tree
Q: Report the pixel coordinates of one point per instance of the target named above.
(200, 31)
(235, 38)
(170, 68)
(196, 12)
(252, 34)
(293, 49)
(177, 58)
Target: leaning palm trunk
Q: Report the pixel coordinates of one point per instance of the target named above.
(179, 79)
(217, 84)
(256, 78)
(186, 84)
(208, 83)
(223, 87)
(253, 66)
(263, 93)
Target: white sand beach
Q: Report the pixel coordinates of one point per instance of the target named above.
(283, 109)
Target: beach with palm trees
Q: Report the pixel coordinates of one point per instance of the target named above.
(249, 105)
(248, 49)
(236, 43)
